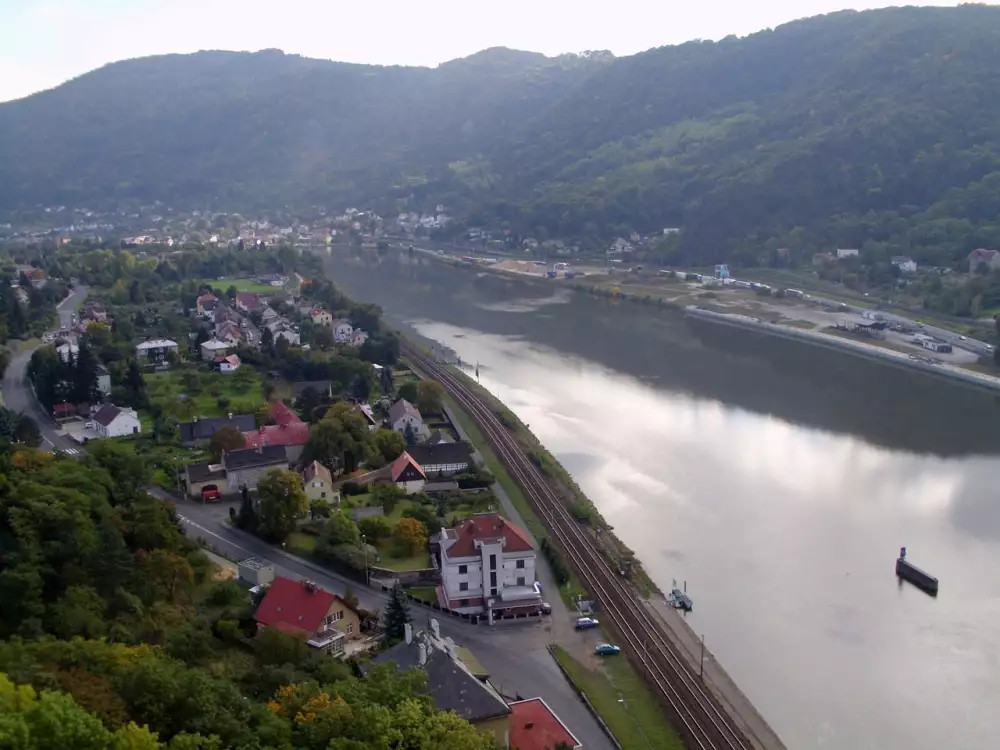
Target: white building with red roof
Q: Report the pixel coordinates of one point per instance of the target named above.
(535, 726)
(304, 610)
(487, 564)
(290, 432)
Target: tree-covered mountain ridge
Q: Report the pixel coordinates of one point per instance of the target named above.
(877, 129)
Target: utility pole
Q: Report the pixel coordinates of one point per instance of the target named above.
(701, 672)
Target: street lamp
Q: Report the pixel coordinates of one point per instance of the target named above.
(364, 546)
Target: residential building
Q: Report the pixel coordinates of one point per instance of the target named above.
(535, 726)
(244, 468)
(212, 349)
(155, 350)
(846, 252)
(365, 410)
(822, 259)
(103, 380)
(904, 264)
(343, 331)
(204, 474)
(318, 484)
(619, 246)
(96, 311)
(111, 421)
(269, 315)
(451, 683)
(358, 338)
(283, 414)
(439, 436)
(984, 257)
(487, 564)
(206, 303)
(292, 337)
(320, 317)
(229, 332)
(403, 414)
(303, 609)
(67, 352)
(200, 430)
(406, 474)
(248, 302)
(290, 432)
(442, 459)
(229, 363)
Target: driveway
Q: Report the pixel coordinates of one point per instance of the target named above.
(514, 653)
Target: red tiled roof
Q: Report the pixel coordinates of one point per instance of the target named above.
(533, 726)
(400, 464)
(248, 299)
(296, 433)
(293, 604)
(487, 526)
(282, 413)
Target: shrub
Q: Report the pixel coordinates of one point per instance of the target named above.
(352, 488)
(559, 570)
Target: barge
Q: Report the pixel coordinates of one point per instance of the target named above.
(907, 571)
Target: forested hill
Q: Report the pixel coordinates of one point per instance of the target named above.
(878, 127)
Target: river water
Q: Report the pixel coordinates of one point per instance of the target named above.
(777, 479)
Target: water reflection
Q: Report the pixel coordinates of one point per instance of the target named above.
(753, 474)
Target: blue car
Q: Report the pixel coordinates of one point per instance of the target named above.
(606, 649)
(585, 623)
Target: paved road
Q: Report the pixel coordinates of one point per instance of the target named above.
(514, 653)
(17, 392)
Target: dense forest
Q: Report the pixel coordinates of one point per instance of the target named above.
(114, 635)
(878, 129)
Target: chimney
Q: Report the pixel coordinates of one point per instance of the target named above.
(408, 631)
(423, 654)
(435, 628)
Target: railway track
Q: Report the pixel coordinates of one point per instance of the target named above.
(694, 711)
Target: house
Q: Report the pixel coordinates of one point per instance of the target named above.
(63, 410)
(283, 414)
(292, 337)
(206, 303)
(619, 246)
(248, 302)
(406, 474)
(442, 459)
(212, 349)
(302, 609)
(822, 259)
(320, 317)
(904, 264)
(451, 683)
(984, 257)
(67, 352)
(103, 380)
(343, 331)
(318, 484)
(229, 363)
(359, 338)
(111, 421)
(290, 432)
(228, 331)
(200, 430)
(439, 436)
(403, 415)
(487, 564)
(844, 252)
(244, 468)
(324, 388)
(269, 315)
(223, 314)
(365, 410)
(535, 726)
(204, 474)
(94, 310)
(155, 350)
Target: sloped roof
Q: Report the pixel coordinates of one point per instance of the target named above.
(428, 454)
(439, 436)
(316, 469)
(248, 299)
(534, 726)
(400, 464)
(488, 526)
(268, 455)
(293, 433)
(401, 408)
(107, 414)
(283, 414)
(203, 429)
(296, 604)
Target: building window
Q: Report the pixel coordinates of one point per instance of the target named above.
(520, 580)
(493, 562)
(334, 617)
(350, 628)
(493, 580)
(463, 569)
(519, 564)
(322, 495)
(463, 586)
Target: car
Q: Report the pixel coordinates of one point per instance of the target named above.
(546, 608)
(585, 623)
(210, 494)
(962, 338)
(606, 649)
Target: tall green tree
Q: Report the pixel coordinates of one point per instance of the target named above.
(397, 614)
(281, 502)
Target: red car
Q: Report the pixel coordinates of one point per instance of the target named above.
(210, 494)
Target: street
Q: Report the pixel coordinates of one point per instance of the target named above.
(17, 392)
(514, 653)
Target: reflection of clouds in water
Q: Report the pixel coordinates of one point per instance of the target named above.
(526, 304)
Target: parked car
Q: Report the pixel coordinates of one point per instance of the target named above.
(606, 649)
(585, 623)
(210, 494)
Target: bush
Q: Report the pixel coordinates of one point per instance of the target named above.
(352, 488)
(559, 570)
(222, 402)
(474, 479)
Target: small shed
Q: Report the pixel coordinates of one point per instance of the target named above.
(256, 571)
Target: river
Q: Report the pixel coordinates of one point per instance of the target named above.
(778, 480)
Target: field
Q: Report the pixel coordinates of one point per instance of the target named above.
(188, 392)
(242, 285)
(620, 696)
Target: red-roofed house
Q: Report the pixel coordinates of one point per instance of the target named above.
(229, 363)
(487, 563)
(983, 257)
(293, 437)
(282, 413)
(304, 610)
(534, 726)
(248, 302)
(407, 474)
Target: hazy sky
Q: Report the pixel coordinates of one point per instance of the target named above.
(45, 42)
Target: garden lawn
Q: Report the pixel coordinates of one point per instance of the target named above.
(389, 559)
(299, 543)
(239, 393)
(423, 593)
(242, 285)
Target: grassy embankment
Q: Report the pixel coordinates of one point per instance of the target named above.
(242, 285)
(621, 698)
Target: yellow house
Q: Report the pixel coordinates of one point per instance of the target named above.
(321, 317)
(318, 484)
